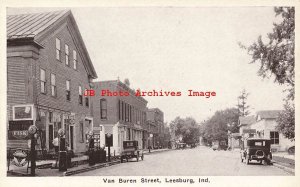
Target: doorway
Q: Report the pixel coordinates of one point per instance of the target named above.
(51, 137)
(71, 137)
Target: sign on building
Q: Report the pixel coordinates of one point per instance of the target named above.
(18, 130)
(23, 112)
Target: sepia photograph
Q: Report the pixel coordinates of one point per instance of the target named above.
(154, 92)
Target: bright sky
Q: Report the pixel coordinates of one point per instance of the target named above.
(176, 49)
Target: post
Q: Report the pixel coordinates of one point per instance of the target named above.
(62, 154)
(91, 149)
(108, 142)
(109, 153)
(33, 156)
(32, 130)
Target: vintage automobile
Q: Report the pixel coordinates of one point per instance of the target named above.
(222, 145)
(180, 145)
(256, 149)
(131, 150)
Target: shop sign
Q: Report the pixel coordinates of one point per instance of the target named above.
(18, 130)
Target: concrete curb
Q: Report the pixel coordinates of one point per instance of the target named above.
(287, 169)
(90, 168)
(147, 153)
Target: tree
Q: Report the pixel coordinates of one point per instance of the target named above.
(277, 58)
(217, 127)
(286, 121)
(186, 128)
(242, 104)
(127, 82)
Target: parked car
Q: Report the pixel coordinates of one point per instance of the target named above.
(256, 149)
(131, 150)
(181, 146)
(220, 146)
(291, 150)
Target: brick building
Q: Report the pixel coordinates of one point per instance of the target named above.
(48, 69)
(122, 116)
(155, 124)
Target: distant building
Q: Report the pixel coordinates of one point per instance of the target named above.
(155, 123)
(121, 115)
(263, 125)
(48, 69)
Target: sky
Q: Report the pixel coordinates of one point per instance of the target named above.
(177, 49)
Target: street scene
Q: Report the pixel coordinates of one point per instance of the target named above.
(150, 91)
(189, 162)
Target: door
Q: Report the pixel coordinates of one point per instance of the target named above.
(71, 141)
(51, 136)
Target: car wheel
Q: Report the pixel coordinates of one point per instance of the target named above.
(265, 162)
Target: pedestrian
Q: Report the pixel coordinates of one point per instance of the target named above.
(55, 143)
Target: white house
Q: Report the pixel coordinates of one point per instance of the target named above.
(265, 127)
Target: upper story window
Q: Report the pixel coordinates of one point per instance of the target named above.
(74, 59)
(103, 108)
(53, 85)
(43, 80)
(67, 55)
(80, 95)
(58, 50)
(274, 136)
(86, 99)
(68, 90)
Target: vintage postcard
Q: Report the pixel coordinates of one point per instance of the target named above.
(150, 94)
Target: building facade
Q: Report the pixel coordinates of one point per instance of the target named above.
(120, 113)
(156, 127)
(263, 125)
(48, 69)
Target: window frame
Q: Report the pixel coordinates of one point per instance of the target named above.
(44, 82)
(274, 135)
(58, 49)
(67, 55)
(75, 60)
(80, 97)
(53, 86)
(68, 90)
(103, 110)
(86, 99)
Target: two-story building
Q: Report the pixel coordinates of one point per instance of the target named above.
(119, 113)
(155, 123)
(265, 127)
(48, 69)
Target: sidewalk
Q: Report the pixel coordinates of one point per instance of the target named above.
(44, 167)
(284, 161)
